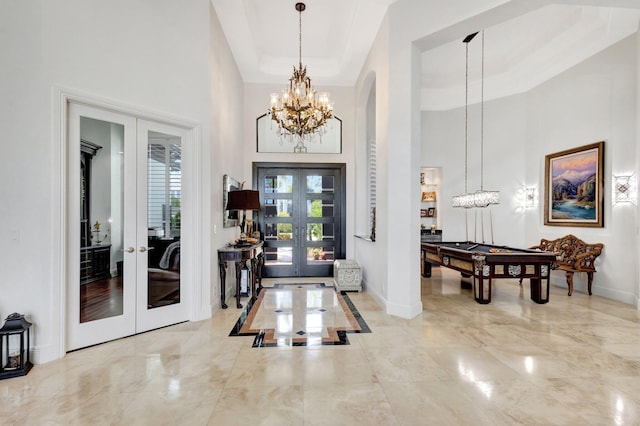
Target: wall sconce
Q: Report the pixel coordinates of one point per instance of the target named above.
(624, 189)
(529, 198)
(525, 198)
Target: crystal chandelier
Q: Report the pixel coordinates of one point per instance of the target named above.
(480, 198)
(299, 111)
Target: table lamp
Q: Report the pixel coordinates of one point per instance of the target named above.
(244, 199)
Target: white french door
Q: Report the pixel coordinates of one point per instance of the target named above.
(124, 225)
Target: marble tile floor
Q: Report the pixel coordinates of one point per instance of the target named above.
(300, 314)
(573, 361)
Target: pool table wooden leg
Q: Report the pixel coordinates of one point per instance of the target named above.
(478, 289)
(537, 294)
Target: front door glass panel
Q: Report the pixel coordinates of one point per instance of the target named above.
(278, 208)
(300, 220)
(278, 184)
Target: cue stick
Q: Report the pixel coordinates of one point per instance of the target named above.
(491, 223)
(475, 225)
(466, 224)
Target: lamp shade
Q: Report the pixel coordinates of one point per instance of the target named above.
(244, 199)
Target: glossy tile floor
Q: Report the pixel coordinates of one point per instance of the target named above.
(573, 361)
(300, 314)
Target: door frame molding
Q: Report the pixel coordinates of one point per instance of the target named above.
(342, 245)
(62, 97)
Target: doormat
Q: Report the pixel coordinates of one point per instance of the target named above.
(299, 314)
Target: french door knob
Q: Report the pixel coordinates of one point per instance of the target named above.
(143, 249)
(130, 250)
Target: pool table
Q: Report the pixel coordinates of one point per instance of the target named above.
(486, 262)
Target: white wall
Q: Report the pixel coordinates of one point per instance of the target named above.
(227, 141)
(257, 101)
(596, 100)
(443, 145)
(394, 60)
(372, 256)
(162, 56)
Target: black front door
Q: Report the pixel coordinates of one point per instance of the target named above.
(302, 219)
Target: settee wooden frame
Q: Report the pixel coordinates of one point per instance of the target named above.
(573, 255)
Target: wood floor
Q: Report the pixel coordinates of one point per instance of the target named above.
(101, 299)
(104, 298)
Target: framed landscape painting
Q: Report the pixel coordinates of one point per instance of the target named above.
(574, 187)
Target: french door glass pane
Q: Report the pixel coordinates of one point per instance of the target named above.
(278, 184)
(164, 190)
(101, 218)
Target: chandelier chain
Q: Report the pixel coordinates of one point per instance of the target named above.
(300, 112)
(466, 117)
(482, 118)
(300, 37)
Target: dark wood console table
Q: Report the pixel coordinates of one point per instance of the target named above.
(240, 255)
(94, 263)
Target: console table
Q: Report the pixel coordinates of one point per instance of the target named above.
(94, 263)
(240, 255)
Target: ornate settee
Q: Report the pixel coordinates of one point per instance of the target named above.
(574, 255)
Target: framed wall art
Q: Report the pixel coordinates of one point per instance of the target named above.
(574, 187)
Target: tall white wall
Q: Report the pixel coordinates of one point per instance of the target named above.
(227, 141)
(372, 256)
(395, 61)
(596, 100)
(443, 145)
(164, 56)
(257, 101)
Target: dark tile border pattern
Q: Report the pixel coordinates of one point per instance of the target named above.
(260, 340)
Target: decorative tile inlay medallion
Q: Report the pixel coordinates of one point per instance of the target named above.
(304, 315)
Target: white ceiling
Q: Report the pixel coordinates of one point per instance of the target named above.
(521, 53)
(337, 36)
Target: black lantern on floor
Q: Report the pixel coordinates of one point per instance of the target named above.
(14, 347)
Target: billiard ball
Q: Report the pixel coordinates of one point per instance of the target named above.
(457, 244)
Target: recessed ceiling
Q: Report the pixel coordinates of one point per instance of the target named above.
(521, 53)
(337, 35)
